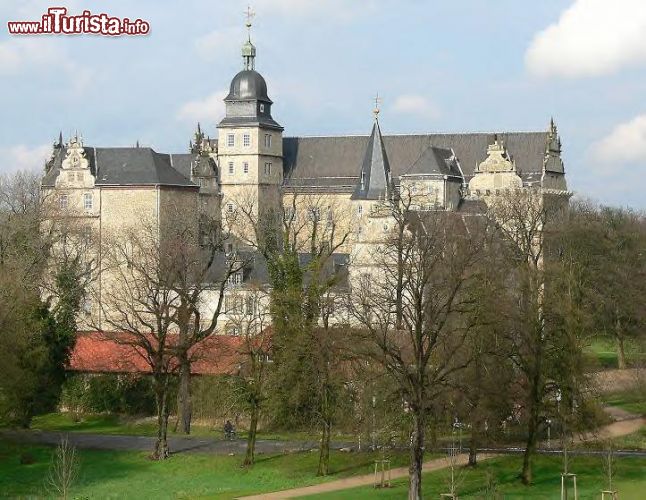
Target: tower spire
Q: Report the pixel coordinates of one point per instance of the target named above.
(377, 103)
(248, 49)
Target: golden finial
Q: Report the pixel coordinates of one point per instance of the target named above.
(377, 103)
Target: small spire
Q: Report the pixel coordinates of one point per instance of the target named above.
(248, 49)
(250, 15)
(137, 144)
(377, 103)
(60, 138)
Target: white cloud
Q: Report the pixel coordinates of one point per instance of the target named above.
(23, 157)
(625, 143)
(414, 104)
(207, 110)
(591, 38)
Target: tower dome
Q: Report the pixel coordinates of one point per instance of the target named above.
(248, 85)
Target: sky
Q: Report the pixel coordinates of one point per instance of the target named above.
(439, 66)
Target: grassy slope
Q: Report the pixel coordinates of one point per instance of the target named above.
(604, 351)
(107, 474)
(631, 480)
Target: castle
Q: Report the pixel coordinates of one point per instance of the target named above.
(112, 188)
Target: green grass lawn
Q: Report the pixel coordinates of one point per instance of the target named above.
(503, 472)
(633, 401)
(604, 351)
(123, 475)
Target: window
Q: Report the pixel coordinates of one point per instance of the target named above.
(233, 304)
(245, 167)
(360, 210)
(232, 329)
(230, 208)
(87, 306)
(235, 279)
(70, 176)
(87, 201)
(229, 248)
(315, 214)
(62, 201)
(250, 305)
(246, 140)
(268, 168)
(231, 167)
(267, 140)
(231, 140)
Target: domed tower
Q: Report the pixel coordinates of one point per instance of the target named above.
(250, 145)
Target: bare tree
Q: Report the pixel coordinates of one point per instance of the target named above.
(249, 317)
(200, 277)
(64, 469)
(140, 308)
(524, 217)
(439, 252)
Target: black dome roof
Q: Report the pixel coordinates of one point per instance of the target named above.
(248, 85)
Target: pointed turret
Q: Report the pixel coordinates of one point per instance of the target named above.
(375, 181)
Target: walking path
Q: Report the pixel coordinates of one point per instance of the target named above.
(626, 423)
(365, 480)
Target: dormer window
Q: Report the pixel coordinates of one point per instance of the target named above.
(262, 108)
(231, 140)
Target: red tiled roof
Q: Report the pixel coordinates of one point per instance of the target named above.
(97, 352)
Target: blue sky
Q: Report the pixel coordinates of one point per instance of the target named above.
(440, 66)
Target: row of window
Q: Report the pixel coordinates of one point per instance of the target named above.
(246, 140)
(235, 304)
(88, 201)
(245, 168)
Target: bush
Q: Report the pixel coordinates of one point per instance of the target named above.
(124, 394)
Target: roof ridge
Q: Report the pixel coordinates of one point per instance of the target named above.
(416, 134)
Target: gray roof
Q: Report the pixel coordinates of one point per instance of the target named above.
(248, 85)
(375, 181)
(129, 166)
(336, 161)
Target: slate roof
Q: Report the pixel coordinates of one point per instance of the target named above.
(336, 161)
(375, 181)
(129, 166)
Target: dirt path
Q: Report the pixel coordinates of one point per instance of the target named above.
(627, 423)
(365, 480)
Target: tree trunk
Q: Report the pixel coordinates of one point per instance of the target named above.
(473, 445)
(161, 451)
(184, 403)
(416, 459)
(621, 353)
(324, 455)
(530, 447)
(251, 438)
